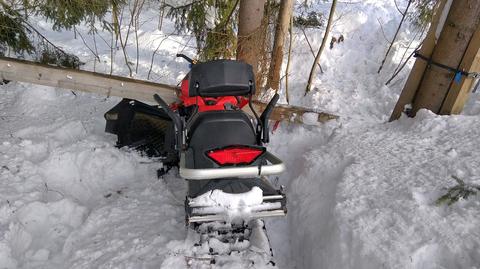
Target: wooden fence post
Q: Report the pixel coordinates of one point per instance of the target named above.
(416, 74)
(459, 92)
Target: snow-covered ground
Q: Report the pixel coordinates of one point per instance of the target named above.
(361, 191)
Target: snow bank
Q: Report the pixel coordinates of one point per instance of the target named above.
(63, 183)
(367, 198)
(362, 192)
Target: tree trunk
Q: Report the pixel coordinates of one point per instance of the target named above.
(287, 69)
(462, 21)
(249, 31)
(286, 8)
(324, 42)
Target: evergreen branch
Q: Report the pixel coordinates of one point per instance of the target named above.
(455, 193)
(183, 6)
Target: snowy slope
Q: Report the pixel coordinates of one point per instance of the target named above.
(361, 191)
(371, 202)
(69, 197)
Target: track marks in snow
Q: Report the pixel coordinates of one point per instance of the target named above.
(293, 144)
(314, 236)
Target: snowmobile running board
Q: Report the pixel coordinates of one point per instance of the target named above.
(275, 167)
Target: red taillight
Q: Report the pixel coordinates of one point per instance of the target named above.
(235, 155)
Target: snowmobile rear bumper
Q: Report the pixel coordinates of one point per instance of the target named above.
(256, 215)
(272, 206)
(274, 167)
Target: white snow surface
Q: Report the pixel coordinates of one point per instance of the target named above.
(233, 207)
(230, 200)
(361, 191)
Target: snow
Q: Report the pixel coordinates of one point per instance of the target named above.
(361, 192)
(233, 207)
(229, 200)
(378, 196)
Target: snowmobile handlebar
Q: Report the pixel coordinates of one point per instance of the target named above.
(266, 116)
(190, 60)
(175, 118)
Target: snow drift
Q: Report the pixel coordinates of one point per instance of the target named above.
(362, 192)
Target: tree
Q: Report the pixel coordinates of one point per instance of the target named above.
(284, 17)
(21, 37)
(322, 47)
(215, 36)
(12, 34)
(66, 14)
(249, 31)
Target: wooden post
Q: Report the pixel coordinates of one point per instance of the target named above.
(459, 92)
(457, 35)
(416, 74)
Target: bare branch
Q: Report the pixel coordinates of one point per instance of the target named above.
(322, 47)
(311, 49)
(398, 9)
(395, 36)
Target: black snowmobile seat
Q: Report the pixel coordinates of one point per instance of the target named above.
(221, 78)
(216, 129)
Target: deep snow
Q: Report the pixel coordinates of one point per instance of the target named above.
(361, 191)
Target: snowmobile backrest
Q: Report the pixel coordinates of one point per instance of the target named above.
(221, 78)
(217, 129)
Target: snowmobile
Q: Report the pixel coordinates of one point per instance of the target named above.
(218, 148)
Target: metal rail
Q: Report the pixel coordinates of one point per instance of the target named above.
(275, 167)
(255, 215)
